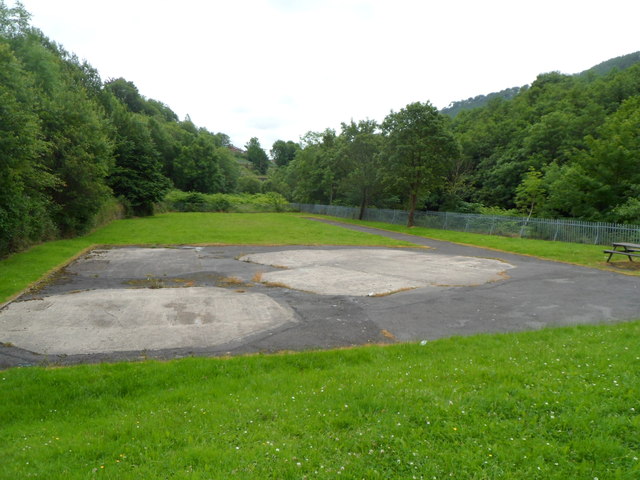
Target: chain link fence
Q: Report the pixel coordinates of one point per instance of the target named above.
(562, 230)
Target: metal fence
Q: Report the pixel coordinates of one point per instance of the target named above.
(562, 230)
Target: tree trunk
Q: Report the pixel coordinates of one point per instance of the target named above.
(363, 204)
(412, 209)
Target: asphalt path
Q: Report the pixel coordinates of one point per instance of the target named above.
(534, 294)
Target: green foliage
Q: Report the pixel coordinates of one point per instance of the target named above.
(68, 142)
(81, 153)
(606, 174)
(501, 212)
(197, 167)
(196, 202)
(257, 156)
(617, 63)
(283, 152)
(249, 184)
(137, 175)
(454, 108)
(179, 201)
(418, 148)
(531, 192)
(24, 216)
(127, 93)
(360, 145)
(564, 127)
(14, 21)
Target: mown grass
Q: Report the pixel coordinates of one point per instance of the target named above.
(20, 270)
(552, 404)
(577, 253)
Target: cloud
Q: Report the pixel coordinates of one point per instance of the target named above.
(265, 123)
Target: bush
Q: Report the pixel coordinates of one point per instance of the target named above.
(249, 184)
(179, 201)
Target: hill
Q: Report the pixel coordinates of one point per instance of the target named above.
(479, 101)
(619, 63)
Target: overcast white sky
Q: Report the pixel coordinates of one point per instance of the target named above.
(275, 69)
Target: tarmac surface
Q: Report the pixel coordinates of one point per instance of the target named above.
(133, 303)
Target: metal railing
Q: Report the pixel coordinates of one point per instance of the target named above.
(562, 230)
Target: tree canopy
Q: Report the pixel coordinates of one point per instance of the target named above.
(75, 149)
(70, 143)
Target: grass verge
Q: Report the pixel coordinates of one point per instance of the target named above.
(21, 270)
(576, 253)
(552, 404)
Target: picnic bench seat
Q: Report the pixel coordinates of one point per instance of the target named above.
(628, 249)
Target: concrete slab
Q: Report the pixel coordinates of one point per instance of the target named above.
(374, 272)
(101, 321)
(138, 262)
(324, 280)
(125, 282)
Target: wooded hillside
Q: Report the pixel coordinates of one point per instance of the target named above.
(565, 146)
(75, 150)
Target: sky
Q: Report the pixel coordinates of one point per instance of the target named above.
(276, 69)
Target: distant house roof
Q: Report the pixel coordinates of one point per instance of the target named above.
(235, 149)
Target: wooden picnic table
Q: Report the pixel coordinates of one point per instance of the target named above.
(624, 248)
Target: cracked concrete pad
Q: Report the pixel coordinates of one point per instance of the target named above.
(138, 262)
(374, 271)
(339, 281)
(141, 319)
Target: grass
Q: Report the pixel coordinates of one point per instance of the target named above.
(576, 253)
(21, 270)
(552, 404)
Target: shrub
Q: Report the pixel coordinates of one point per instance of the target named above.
(179, 201)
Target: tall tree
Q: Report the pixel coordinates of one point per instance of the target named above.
(24, 207)
(360, 146)
(137, 176)
(418, 147)
(283, 152)
(257, 156)
(197, 168)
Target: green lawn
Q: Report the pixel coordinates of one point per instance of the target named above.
(19, 271)
(553, 404)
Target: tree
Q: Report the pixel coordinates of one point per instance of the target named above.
(81, 153)
(127, 93)
(605, 175)
(197, 168)
(13, 21)
(418, 148)
(137, 176)
(318, 171)
(24, 207)
(360, 146)
(283, 152)
(257, 156)
(531, 192)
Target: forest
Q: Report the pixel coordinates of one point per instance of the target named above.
(566, 146)
(77, 150)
